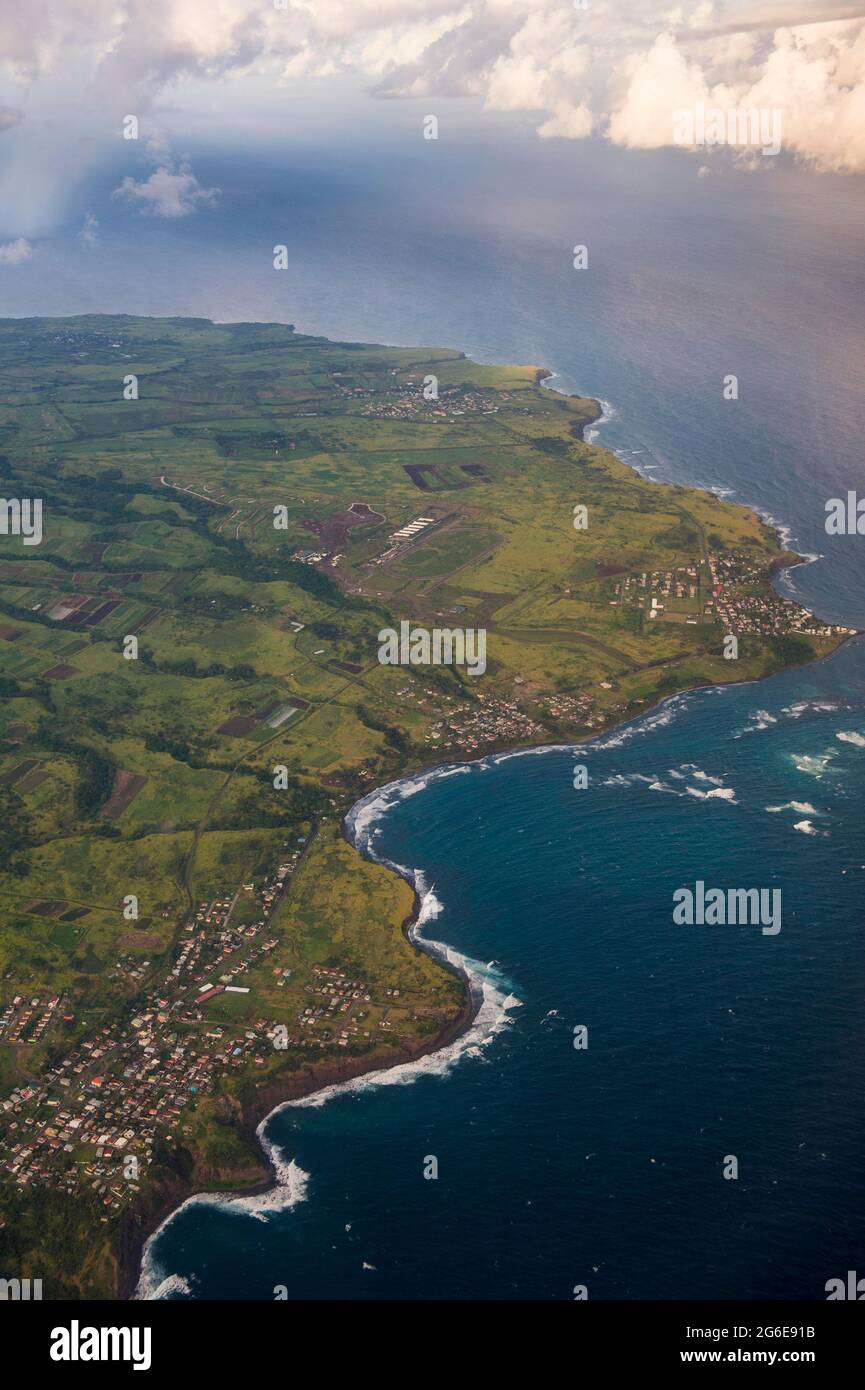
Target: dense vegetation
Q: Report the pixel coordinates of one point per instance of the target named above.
(185, 700)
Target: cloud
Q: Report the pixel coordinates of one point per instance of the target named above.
(14, 252)
(87, 237)
(656, 84)
(618, 68)
(170, 191)
(813, 76)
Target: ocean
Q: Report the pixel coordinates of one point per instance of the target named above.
(600, 1166)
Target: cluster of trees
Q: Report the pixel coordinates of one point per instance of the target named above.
(44, 1234)
(187, 666)
(95, 771)
(182, 751)
(393, 736)
(14, 832)
(793, 649)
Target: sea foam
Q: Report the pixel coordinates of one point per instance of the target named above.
(716, 794)
(289, 1188)
(493, 1000)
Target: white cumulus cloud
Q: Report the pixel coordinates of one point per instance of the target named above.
(168, 192)
(14, 252)
(618, 68)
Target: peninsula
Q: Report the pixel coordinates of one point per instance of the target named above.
(229, 516)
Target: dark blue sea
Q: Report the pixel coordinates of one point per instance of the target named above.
(604, 1166)
(600, 1167)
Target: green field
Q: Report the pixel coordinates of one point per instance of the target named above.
(152, 774)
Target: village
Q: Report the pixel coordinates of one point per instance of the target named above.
(95, 1117)
(412, 403)
(735, 577)
(731, 587)
(495, 721)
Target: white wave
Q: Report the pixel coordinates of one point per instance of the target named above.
(787, 538)
(607, 414)
(657, 719)
(800, 707)
(431, 907)
(812, 764)
(803, 808)
(795, 711)
(626, 779)
(785, 532)
(289, 1188)
(494, 1005)
(762, 719)
(857, 739)
(717, 793)
(172, 1286)
(633, 779)
(540, 749)
(364, 815)
(806, 827)
(700, 776)
(154, 1281)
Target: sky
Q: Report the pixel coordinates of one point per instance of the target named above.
(77, 79)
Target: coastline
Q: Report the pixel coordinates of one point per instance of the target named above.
(305, 1084)
(308, 1082)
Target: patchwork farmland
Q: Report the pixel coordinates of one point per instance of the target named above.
(192, 698)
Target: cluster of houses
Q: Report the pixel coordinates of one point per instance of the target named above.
(93, 1119)
(340, 1000)
(27, 1020)
(653, 590)
(492, 720)
(746, 602)
(93, 1116)
(409, 402)
(578, 709)
(339, 1010)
